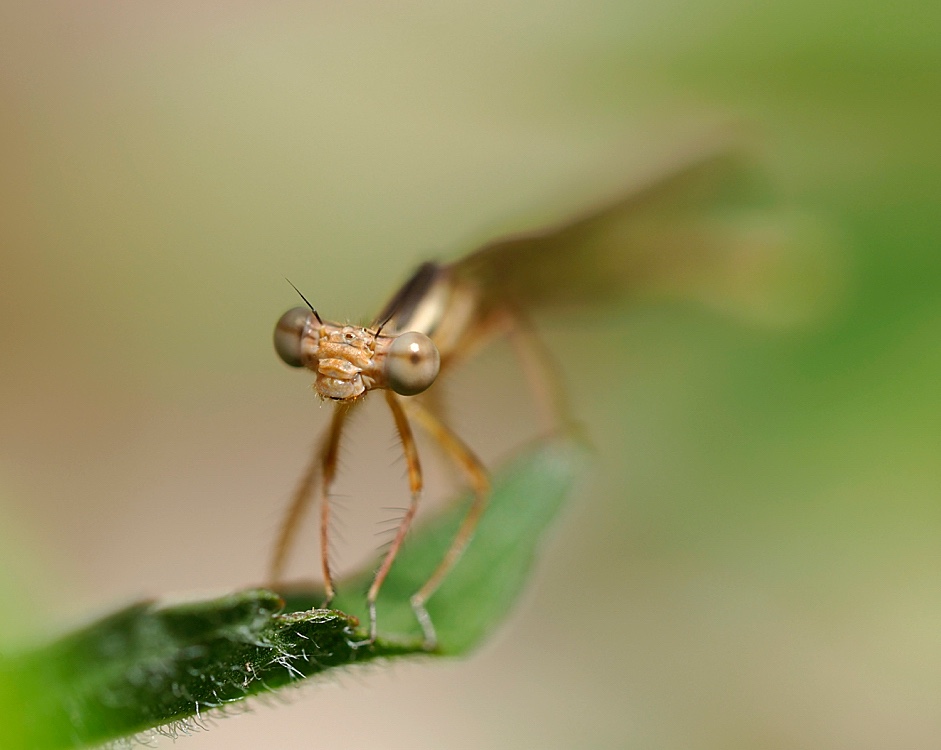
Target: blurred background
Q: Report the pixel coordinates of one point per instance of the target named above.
(758, 540)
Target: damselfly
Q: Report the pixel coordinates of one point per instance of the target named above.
(653, 234)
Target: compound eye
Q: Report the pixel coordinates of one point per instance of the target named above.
(412, 363)
(288, 334)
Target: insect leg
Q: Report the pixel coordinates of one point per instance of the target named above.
(292, 520)
(415, 485)
(479, 481)
(323, 464)
(541, 371)
(539, 365)
(329, 457)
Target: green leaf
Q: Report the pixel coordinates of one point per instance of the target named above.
(151, 665)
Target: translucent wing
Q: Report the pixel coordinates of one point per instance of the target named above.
(689, 231)
(664, 227)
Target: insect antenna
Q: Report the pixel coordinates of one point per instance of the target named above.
(316, 314)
